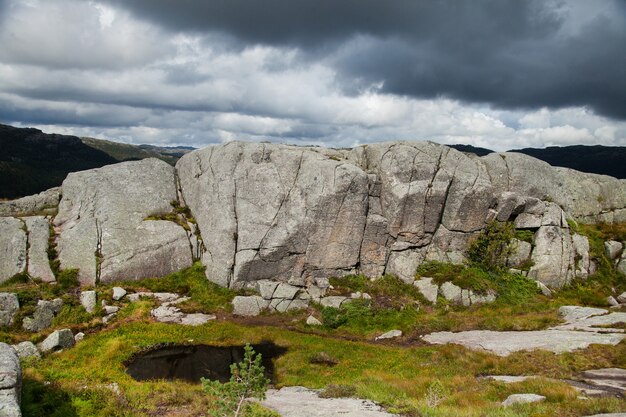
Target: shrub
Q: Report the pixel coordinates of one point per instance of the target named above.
(492, 247)
(247, 381)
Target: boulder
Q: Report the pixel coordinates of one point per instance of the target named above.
(9, 306)
(553, 257)
(522, 399)
(27, 350)
(582, 260)
(277, 212)
(520, 253)
(622, 298)
(103, 223)
(38, 238)
(10, 382)
(621, 265)
(13, 247)
(118, 293)
(88, 300)
(57, 340)
(43, 316)
(451, 292)
(334, 301)
(78, 337)
(312, 321)
(111, 309)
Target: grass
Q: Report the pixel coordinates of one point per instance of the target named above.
(396, 376)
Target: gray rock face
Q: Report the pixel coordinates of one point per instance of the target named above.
(43, 203)
(10, 382)
(105, 209)
(298, 214)
(392, 334)
(12, 247)
(522, 399)
(57, 340)
(38, 235)
(118, 293)
(249, 305)
(9, 306)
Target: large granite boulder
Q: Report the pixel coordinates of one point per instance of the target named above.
(274, 211)
(12, 247)
(10, 382)
(102, 223)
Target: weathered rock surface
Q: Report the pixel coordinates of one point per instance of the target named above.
(304, 402)
(38, 230)
(505, 343)
(102, 215)
(297, 214)
(27, 350)
(522, 399)
(613, 249)
(312, 321)
(45, 202)
(57, 340)
(12, 247)
(10, 382)
(249, 305)
(427, 288)
(118, 293)
(9, 306)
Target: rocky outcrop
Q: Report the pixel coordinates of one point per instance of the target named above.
(46, 202)
(102, 223)
(10, 382)
(297, 214)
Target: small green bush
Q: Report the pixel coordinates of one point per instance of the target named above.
(492, 247)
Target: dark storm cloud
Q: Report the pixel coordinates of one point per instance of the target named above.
(509, 53)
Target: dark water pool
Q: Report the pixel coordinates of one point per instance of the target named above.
(190, 363)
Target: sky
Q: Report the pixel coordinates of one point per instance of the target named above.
(500, 74)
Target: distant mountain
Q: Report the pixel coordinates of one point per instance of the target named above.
(32, 161)
(597, 159)
(472, 149)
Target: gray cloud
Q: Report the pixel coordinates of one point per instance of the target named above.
(512, 54)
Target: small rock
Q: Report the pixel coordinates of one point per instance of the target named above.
(508, 379)
(9, 306)
(59, 339)
(118, 293)
(334, 301)
(366, 296)
(108, 318)
(27, 350)
(111, 309)
(43, 316)
(612, 301)
(88, 300)
(197, 319)
(356, 295)
(248, 305)
(451, 292)
(79, 336)
(428, 289)
(622, 298)
(544, 289)
(167, 314)
(522, 399)
(165, 296)
(285, 291)
(390, 335)
(312, 321)
(612, 249)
